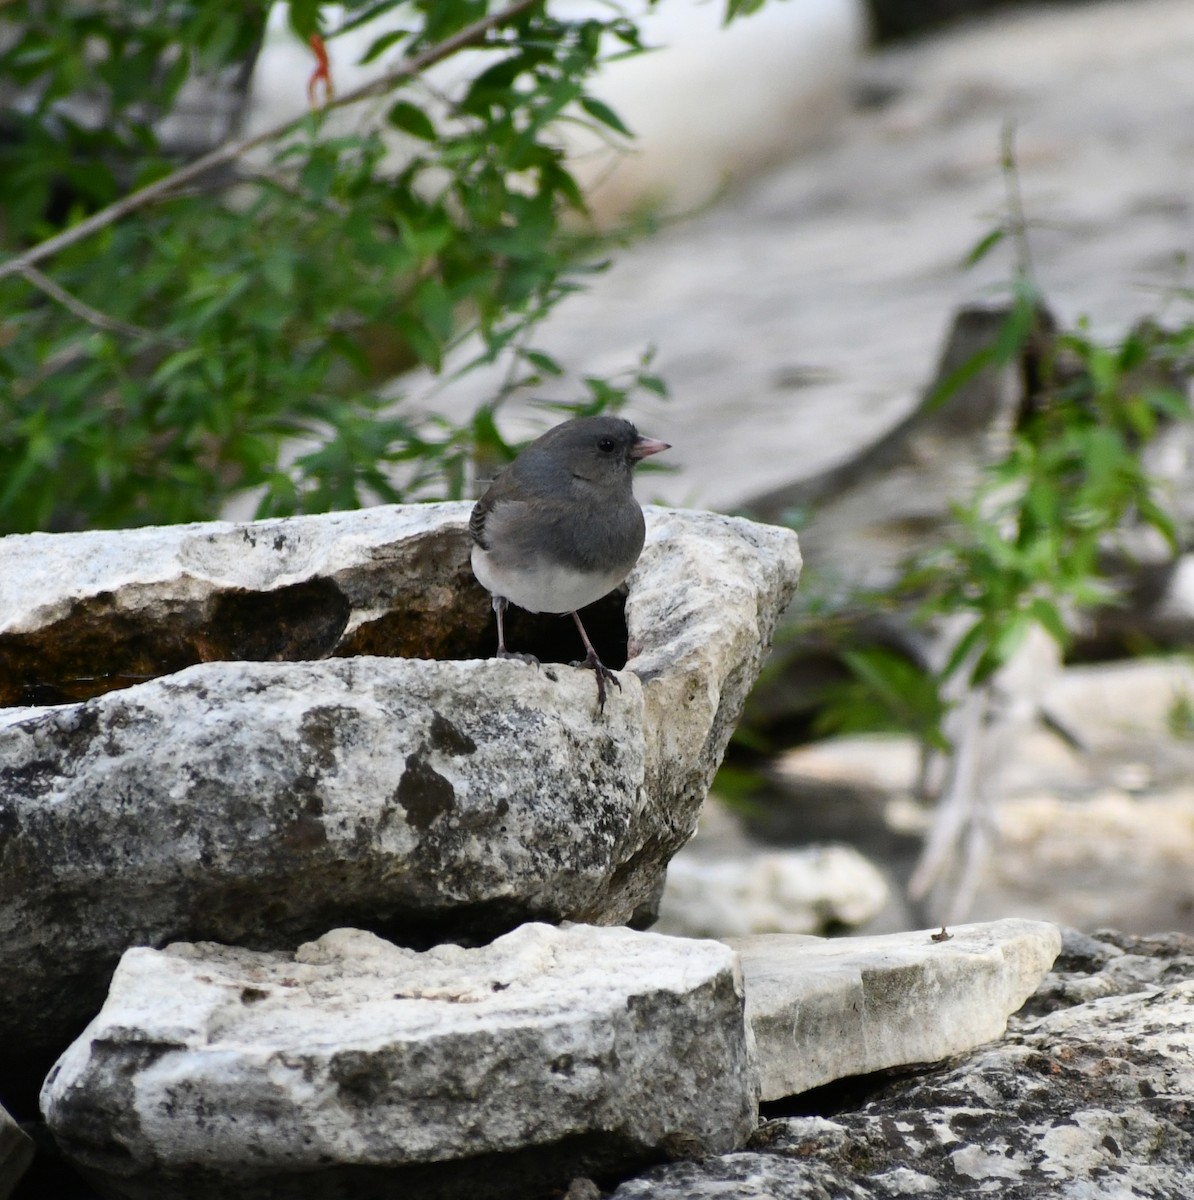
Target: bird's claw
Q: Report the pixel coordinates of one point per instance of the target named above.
(603, 673)
(529, 659)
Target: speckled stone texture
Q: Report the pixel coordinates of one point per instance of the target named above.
(446, 796)
(1089, 1096)
(356, 1067)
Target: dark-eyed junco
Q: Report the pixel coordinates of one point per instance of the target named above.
(560, 527)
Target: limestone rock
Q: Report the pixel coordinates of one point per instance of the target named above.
(85, 613)
(16, 1152)
(262, 803)
(1087, 1096)
(804, 891)
(822, 1010)
(357, 1067)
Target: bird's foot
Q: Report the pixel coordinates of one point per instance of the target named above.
(529, 659)
(603, 673)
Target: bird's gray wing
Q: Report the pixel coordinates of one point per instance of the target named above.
(477, 518)
(504, 487)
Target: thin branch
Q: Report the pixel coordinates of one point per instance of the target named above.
(1017, 221)
(85, 312)
(283, 184)
(233, 150)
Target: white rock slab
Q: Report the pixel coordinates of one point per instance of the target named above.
(437, 796)
(357, 1064)
(807, 890)
(823, 1010)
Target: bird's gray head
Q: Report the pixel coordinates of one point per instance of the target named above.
(597, 449)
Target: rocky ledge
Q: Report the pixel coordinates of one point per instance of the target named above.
(403, 782)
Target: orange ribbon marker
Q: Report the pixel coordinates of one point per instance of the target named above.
(321, 74)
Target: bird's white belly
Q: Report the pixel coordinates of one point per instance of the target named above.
(543, 587)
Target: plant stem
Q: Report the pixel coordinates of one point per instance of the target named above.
(84, 311)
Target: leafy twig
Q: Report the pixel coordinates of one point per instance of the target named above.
(230, 151)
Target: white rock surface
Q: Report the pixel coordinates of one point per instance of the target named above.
(888, 762)
(1112, 856)
(1110, 707)
(356, 1064)
(822, 1010)
(262, 803)
(780, 891)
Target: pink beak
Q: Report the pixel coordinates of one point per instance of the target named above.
(646, 446)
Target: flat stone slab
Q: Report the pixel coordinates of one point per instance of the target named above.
(406, 781)
(823, 1010)
(356, 1067)
(1086, 1097)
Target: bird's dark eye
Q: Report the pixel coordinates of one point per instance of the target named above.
(606, 445)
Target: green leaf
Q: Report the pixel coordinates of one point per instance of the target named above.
(1153, 514)
(303, 16)
(543, 362)
(381, 44)
(409, 118)
(175, 364)
(984, 246)
(600, 111)
(428, 238)
(966, 646)
(319, 174)
(741, 8)
(434, 307)
(1048, 617)
(494, 84)
(420, 340)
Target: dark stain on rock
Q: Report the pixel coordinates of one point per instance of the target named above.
(446, 737)
(325, 728)
(361, 1078)
(423, 792)
(306, 832)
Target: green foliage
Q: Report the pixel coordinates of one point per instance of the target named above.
(886, 692)
(190, 342)
(1032, 547)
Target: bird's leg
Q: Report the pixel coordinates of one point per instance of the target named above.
(600, 669)
(499, 607)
